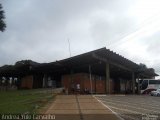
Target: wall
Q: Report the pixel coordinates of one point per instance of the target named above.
(38, 81)
(98, 85)
(27, 82)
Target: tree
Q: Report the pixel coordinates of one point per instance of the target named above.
(143, 67)
(2, 17)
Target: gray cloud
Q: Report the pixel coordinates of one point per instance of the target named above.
(154, 42)
(39, 30)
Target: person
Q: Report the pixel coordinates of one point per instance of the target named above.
(86, 91)
(72, 88)
(66, 91)
(78, 87)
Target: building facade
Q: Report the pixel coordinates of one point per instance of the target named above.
(99, 71)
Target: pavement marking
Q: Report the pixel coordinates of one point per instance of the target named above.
(129, 117)
(108, 108)
(133, 103)
(141, 102)
(132, 106)
(130, 111)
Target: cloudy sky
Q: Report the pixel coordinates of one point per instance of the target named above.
(40, 29)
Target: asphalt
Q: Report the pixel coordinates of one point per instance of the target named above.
(79, 107)
(133, 107)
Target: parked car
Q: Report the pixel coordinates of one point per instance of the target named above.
(156, 92)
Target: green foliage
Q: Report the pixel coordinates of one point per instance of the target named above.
(142, 67)
(23, 101)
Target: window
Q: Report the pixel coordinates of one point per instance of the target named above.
(144, 84)
(158, 81)
(140, 81)
(154, 82)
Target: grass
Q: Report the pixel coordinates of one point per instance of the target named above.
(23, 101)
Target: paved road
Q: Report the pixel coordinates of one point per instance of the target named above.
(133, 107)
(79, 107)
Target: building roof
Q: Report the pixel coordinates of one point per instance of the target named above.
(96, 59)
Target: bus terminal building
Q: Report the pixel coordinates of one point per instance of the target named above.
(100, 71)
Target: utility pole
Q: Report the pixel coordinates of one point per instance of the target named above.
(69, 47)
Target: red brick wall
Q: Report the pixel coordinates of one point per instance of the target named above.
(27, 82)
(83, 79)
(100, 86)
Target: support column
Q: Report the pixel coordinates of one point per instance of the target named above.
(45, 80)
(90, 78)
(12, 81)
(133, 83)
(72, 87)
(0, 81)
(18, 82)
(107, 79)
(138, 86)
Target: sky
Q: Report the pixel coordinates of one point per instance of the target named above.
(40, 29)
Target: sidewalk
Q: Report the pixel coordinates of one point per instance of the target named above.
(79, 107)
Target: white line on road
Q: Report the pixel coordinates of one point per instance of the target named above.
(130, 111)
(109, 108)
(132, 106)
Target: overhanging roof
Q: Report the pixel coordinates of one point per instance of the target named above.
(96, 58)
(93, 58)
